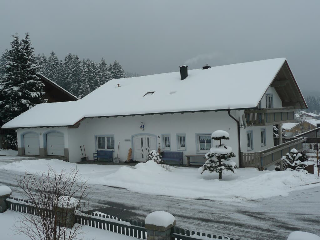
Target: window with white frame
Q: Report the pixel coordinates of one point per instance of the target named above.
(204, 142)
(166, 143)
(269, 101)
(181, 139)
(105, 142)
(263, 137)
(250, 140)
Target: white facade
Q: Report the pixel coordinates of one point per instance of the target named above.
(125, 129)
(127, 132)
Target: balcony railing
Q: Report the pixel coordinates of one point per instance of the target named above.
(262, 117)
(270, 156)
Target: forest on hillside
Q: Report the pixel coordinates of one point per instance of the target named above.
(313, 103)
(78, 76)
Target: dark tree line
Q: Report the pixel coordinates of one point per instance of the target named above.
(21, 89)
(313, 104)
(80, 77)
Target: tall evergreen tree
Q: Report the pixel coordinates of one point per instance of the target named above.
(22, 89)
(104, 74)
(117, 70)
(73, 71)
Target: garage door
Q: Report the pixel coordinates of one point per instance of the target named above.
(31, 144)
(55, 144)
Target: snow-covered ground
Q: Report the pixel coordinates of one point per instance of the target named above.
(152, 178)
(264, 218)
(8, 152)
(9, 224)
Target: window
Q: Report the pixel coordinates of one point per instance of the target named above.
(204, 142)
(110, 142)
(181, 138)
(250, 140)
(269, 101)
(166, 143)
(263, 137)
(101, 143)
(105, 142)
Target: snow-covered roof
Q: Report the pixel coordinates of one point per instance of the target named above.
(235, 86)
(289, 126)
(310, 114)
(314, 122)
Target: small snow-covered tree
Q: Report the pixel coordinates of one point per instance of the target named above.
(219, 157)
(154, 156)
(293, 160)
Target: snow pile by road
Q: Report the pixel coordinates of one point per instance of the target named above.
(4, 190)
(11, 221)
(302, 236)
(153, 178)
(8, 152)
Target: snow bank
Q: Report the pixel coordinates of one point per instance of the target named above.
(160, 219)
(153, 178)
(8, 152)
(298, 235)
(4, 190)
(220, 134)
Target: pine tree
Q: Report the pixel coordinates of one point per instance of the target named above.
(218, 159)
(117, 71)
(52, 67)
(103, 72)
(41, 60)
(73, 71)
(22, 89)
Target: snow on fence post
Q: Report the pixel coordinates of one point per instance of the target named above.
(4, 194)
(65, 211)
(159, 225)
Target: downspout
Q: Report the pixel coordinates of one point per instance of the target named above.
(239, 146)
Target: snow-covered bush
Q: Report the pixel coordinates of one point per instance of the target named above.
(293, 160)
(218, 159)
(155, 156)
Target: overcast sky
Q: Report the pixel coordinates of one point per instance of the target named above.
(156, 36)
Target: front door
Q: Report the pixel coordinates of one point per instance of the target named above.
(142, 144)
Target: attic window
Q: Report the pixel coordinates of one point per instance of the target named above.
(149, 93)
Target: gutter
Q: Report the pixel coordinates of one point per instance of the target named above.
(239, 146)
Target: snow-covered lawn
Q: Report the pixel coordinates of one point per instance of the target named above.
(151, 178)
(9, 222)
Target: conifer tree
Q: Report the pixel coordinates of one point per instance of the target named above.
(219, 157)
(73, 71)
(103, 72)
(53, 67)
(117, 71)
(21, 88)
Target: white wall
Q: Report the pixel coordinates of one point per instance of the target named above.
(41, 132)
(256, 130)
(277, 103)
(124, 127)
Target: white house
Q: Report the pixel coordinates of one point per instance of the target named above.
(173, 111)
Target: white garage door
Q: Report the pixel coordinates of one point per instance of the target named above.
(55, 144)
(31, 144)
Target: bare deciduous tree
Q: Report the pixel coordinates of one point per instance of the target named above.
(45, 193)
